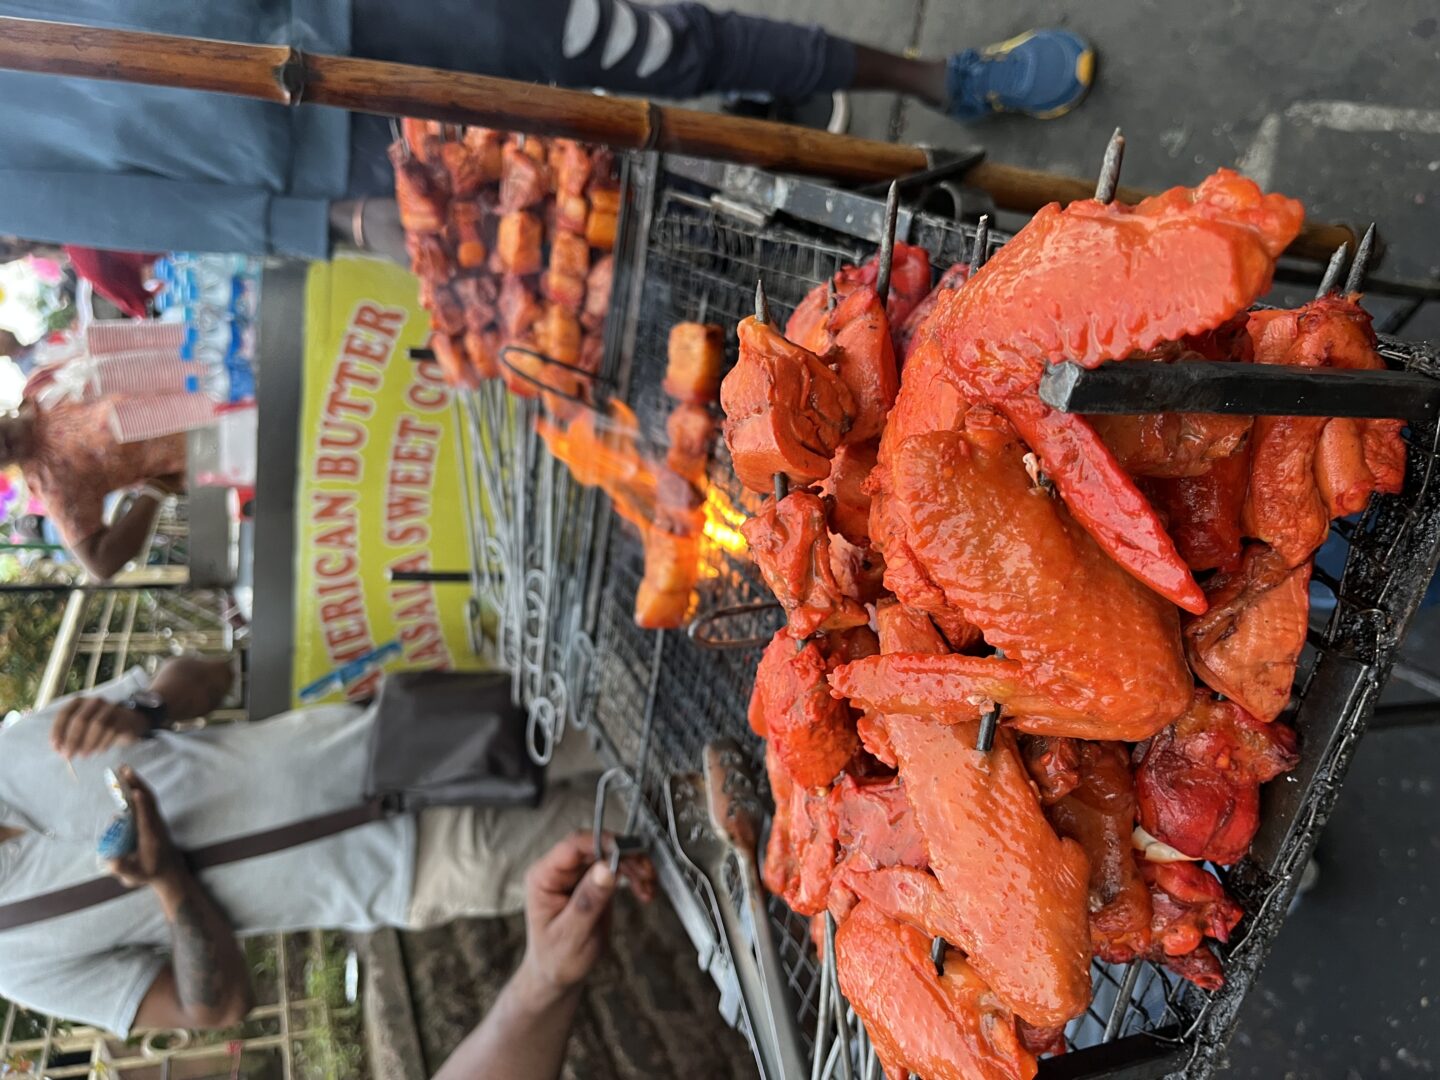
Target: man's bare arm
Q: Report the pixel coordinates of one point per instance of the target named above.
(207, 984)
(105, 553)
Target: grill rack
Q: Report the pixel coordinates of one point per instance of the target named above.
(691, 247)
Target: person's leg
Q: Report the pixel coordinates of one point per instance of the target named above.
(471, 862)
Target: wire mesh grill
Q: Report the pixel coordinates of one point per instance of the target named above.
(658, 699)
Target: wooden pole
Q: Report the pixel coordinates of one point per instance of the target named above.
(289, 76)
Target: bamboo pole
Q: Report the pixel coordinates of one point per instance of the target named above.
(287, 76)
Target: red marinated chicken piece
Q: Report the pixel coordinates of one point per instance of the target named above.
(1198, 781)
(1248, 644)
(863, 356)
(944, 1027)
(418, 192)
(1307, 469)
(597, 293)
(1203, 512)
(785, 411)
(1189, 906)
(849, 469)
(1090, 283)
(1171, 445)
(790, 543)
(1005, 888)
(909, 285)
(467, 172)
(801, 855)
(1011, 560)
(1053, 763)
(1099, 815)
(949, 281)
(812, 733)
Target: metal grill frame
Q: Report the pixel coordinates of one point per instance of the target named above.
(691, 247)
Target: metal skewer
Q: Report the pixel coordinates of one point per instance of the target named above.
(989, 724)
(1110, 169)
(887, 244)
(980, 254)
(1358, 269)
(1331, 277)
(937, 955)
(697, 628)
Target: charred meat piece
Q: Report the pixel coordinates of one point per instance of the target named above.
(421, 197)
(1203, 512)
(524, 182)
(785, 411)
(790, 543)
(1198, 781)
(597, 293)
(1190, 905)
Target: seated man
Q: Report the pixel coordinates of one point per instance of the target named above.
(72, 461)
(166, 955)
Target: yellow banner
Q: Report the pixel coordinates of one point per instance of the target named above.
(378, 489)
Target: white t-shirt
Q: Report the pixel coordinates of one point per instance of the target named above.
(95, 966)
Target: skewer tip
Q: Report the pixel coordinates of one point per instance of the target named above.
(981, 253)
(1355, 282)
(1331, 278)
(762, 305)
(887, 242)
(1109, 182)
(937, 955)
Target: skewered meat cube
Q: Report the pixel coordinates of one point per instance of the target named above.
(849, 469)
(943, 1027)
(519, 310)
(1247, 646)
(478, 297)
(418, 193)
(447, 314)
(1122, 279)
(523, 182)
(1010, 559)
(519, 244)
(691, 432)
(570, 166)
(422, 138)
(467, 172)
(563, 290)
(572, 212)
(488, 147)
(483, 352)
(570, 256)
(790, 543)
(592, 353)
(1198, 781)
(801, 854)
(557, 333)
(785, 411)
(604, 219)
(672, 566)
(858, 346)
(597, 293)
(450, 355)
(695, 356)
(1099, 815)
(429, 259)
(679, 504)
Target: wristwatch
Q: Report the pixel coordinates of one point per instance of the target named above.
(149, 705)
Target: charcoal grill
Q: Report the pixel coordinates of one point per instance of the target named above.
(694, 238)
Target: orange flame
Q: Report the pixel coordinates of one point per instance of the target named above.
(723, 521)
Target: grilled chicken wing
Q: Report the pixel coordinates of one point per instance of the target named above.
(1090, 283)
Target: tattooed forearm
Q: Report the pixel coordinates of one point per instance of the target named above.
(211, 980)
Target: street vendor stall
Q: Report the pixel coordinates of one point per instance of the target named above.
(1029, 654)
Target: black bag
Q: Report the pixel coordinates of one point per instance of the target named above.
(440, 739)
(451, 739)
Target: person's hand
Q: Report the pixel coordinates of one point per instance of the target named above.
(155, 861)
(87, 726)
(567, 908)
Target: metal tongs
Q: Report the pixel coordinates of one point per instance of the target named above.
(715, 817)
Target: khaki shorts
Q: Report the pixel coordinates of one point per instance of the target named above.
(471, 861)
